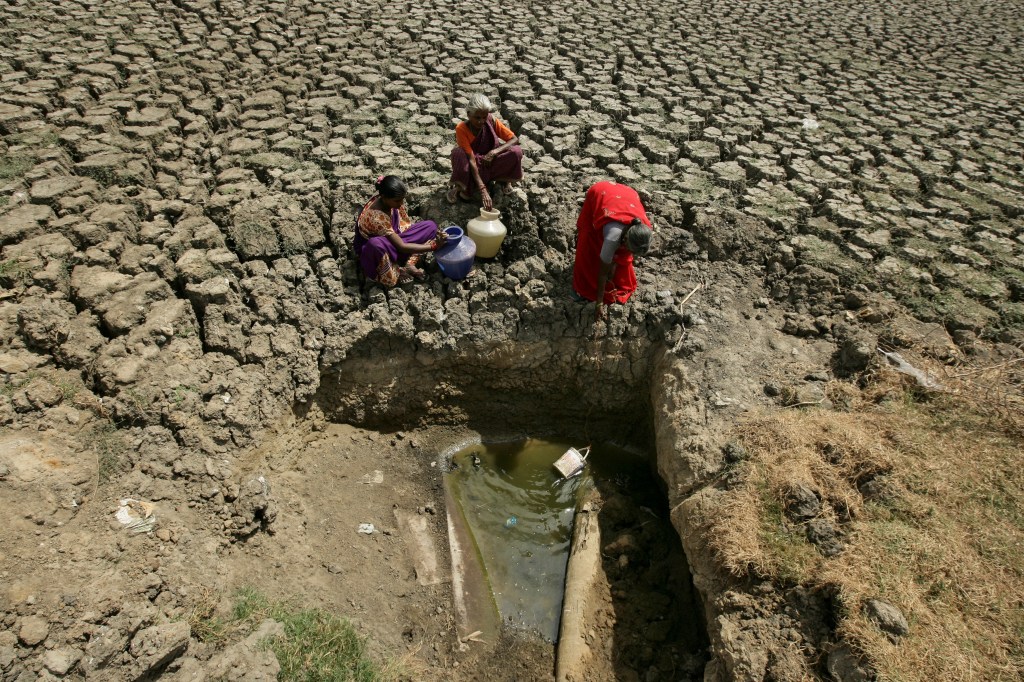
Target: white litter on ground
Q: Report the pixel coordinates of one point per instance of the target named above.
(136, 516)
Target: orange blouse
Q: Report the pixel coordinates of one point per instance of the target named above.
(464, 136)
(374, 223)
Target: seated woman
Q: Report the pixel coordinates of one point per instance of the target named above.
(485, 151)
(387, 243)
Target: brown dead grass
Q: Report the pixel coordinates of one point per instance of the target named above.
(946, 548)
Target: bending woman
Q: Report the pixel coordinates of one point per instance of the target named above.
(611, 229)
(485, 151)
(387, 243)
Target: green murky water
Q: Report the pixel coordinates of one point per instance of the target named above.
(520, 512)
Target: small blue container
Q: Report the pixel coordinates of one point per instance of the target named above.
(455, 258)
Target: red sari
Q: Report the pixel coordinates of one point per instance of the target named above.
(605, 202)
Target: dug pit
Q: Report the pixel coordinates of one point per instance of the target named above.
(492, 409)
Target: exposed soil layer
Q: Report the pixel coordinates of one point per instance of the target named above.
(182, 323)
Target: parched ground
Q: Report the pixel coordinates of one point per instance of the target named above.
(182, 323)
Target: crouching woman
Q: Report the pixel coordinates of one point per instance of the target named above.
(388, 244)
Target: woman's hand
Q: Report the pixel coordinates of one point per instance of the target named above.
(599, 314)
(441, 237)
(485, 198)
(489, 156)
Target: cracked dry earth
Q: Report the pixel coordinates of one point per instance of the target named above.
(182, 323)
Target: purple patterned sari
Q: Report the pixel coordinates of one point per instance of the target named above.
(378, 256)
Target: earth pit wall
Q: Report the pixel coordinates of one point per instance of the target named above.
(536, 387)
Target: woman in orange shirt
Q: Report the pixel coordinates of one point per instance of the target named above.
(486, 150)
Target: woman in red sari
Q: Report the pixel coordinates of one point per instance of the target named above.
(485, 151)
(611, 229)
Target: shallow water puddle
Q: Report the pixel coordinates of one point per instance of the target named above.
(520, 513)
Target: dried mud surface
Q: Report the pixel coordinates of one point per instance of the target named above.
(182, 323)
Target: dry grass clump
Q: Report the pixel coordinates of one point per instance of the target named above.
(202, 618)
(928, 493)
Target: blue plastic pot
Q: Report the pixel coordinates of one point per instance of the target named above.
(455, 258)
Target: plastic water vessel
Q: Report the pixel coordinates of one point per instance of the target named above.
(488, 232)
(455, 258)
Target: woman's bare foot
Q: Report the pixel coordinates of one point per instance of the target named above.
(415, 272)
(455, 194)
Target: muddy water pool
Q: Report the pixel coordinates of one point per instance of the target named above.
(520, 512)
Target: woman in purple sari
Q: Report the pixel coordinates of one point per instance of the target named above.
(485, 151)
(387, 243)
